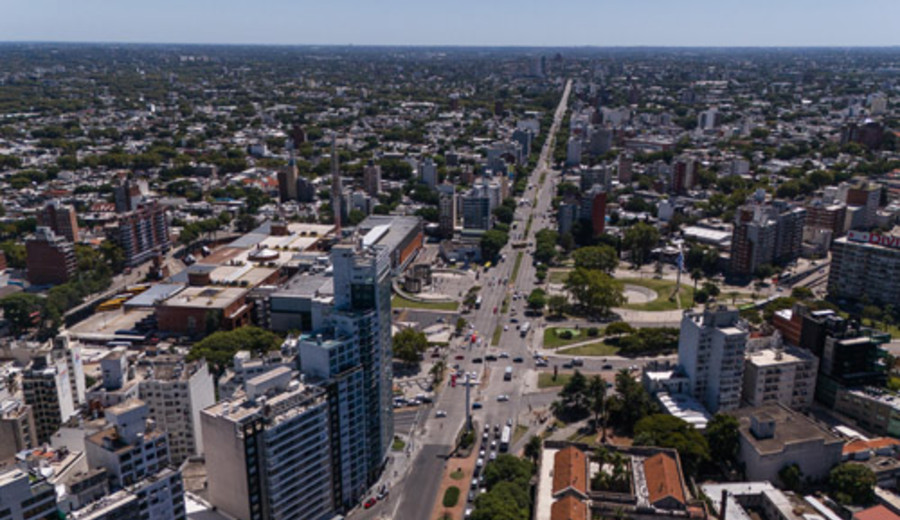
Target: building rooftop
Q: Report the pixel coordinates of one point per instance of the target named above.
(570, 508)
(103, 506)
(663, 479)
(790, 428)
(774, 357)
(685, 408)
(210, 297)
(570, 471)
(878, 512)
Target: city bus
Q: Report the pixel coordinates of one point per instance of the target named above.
(523, 330)
(504, 439)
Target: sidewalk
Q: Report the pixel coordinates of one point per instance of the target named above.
(467, 466)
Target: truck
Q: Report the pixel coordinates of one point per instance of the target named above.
(504, 438)
(507, 375)
(523, 330)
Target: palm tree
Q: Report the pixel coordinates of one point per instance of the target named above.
(597, 403)
(533, 449)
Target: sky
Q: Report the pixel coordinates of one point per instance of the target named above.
(458, 22)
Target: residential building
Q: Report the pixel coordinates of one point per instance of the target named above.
(865, 265)
(783, 375)
(287, 181)
(765, 234)
(121, 505)
(820, 215)
(753, 500)
(127, 196)
(372, 178)
(711, 353)
(22, 498)
(773, 436)
(175, 392)
(428, 172)
(46, 387)
(17, 429)
(61, 219)
(135, 455)
(446, 210)
(273, 458)
(866, 195)
(142, 233)
(875, 409)
(851, 357)
(476, 210)
(50, 258)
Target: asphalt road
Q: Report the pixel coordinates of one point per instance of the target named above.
(416, 492)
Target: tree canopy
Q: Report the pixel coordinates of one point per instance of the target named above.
(603, 258)
(220, 347)
(669, 431)
(640, 239)
(409, 344)
(852, 484)
(595, 291)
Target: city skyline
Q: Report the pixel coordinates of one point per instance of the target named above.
(696, 23)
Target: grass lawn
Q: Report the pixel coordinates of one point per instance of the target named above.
(552, 340)
(504, 307)
(458, 474)
(558, 275)
(515, 273)
(664, 289)
(495, 339)
(545, 379)
(398, 444)
(528, 226)
(592, 349)
(400, 302)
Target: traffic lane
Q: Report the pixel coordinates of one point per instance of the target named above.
(422, 485)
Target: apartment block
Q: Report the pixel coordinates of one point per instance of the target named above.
(61, 219)
(46, 387)
(142, 233)
(50, 258)
(273, 454)
(866, 265)
(17, 429)
(711, 353)
(22, 498)
(765, 234)
(782, 375)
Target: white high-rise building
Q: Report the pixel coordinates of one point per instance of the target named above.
(429, 173)
(711, 352)
(783, 375)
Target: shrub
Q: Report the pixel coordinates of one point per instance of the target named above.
(593, 332)
(451, 496)
(565, 334)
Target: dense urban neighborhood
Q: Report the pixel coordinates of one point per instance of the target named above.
(427, 283)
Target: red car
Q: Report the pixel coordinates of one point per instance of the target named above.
(460, 357)
(370, 502)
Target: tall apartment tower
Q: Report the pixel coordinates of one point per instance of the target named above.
(17, 429)
(50, 258)
(61, 219)
(175, 392)
(273, 458)
(428, 172)
(765, 234)
(287, 181)
(47, 389)
(372, 179)
(143, 233)
(446, 209)
(337, 190)
(711, 351)
(362, 312)
(127, 196)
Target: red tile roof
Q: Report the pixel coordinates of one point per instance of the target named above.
(859, 445)
(570, 471)
(663, 479)
(876, 513)
(569, 508)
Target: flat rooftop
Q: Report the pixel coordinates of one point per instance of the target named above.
(209, 297)
(773, 357)
(790, 428)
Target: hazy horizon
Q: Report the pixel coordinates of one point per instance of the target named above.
(466, 23)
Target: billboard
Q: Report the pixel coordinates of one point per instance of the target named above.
(874, 238)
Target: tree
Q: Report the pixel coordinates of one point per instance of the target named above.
(802, 293)
(640, 239)
(533, 449)
(852, 484)
(574, 393)
(630, 404)
(603, 258)
(461, 325)
(595, 291)
(557, 304)
(492, 241)
(409, 344)
(437, 372)
(220, 347)
(16, 257)
(355, 217)
(545, 245)
(723, 437)
(596, 398)
(791, 477)
(537, 300)
(22, 311)
(618, 327)
(669, 431)
(508, 468)
(505, 501)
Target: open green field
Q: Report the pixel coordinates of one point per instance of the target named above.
(591, 349)
(399, 302)
(552, 339)
(545, 380)
(664, 290)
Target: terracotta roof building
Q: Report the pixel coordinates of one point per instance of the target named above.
(570, 472)
(878, 512)
(664, 485)
(572, 508)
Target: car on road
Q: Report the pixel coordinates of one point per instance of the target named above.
(471, 497)
(505, 328)
(509, 422)
(440, 413)
(578, 362)
(479, 463)
(370, 502)
(567, 364)
(476, 405)
(514, 320)
(477, 360)
(475, 483)
(459, 357)
(607, 367)
(518, 359)
(504, 355)
(502, 398)
(490, 357)
(493, 445)
(383, 492)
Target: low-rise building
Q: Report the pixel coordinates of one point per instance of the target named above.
(876, 410)
(203, 310)
(773, 436)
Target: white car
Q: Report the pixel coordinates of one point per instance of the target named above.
(440, 413)
(504, 354)
(502, 397)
